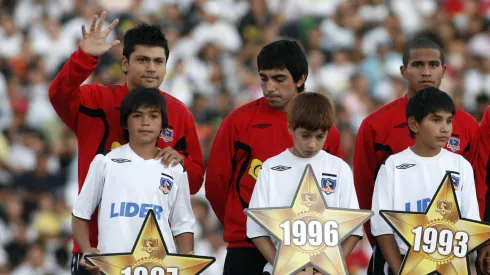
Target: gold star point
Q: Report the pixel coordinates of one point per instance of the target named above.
(443, 215)
(150, 251)
(309, 206)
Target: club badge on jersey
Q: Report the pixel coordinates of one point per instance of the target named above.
(328, 184)
(166, 184)
(453, 144)
(455, 179)
(167, 135)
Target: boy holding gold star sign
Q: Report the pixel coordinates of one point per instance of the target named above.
(127, 182)
(310, 117)
(408, 180)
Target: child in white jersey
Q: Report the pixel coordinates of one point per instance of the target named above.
(127, 182)
(310, 117)
(408, 180)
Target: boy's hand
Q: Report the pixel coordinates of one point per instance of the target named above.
(91, 268)
(483, 260)
(168, 154)
(93, 42)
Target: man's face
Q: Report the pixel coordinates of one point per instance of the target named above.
(424, 69)
(144, 125)
(146, 67)
(279, 87)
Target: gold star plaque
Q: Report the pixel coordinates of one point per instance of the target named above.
(309, 207)
(439, 239)
(150, 253)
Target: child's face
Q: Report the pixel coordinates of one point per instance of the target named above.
(307, 143)
(144, 125)
(435, 129)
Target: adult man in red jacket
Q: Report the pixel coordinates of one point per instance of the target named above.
(92, 111)
(247, 137)
(384, 132)
(482, 174)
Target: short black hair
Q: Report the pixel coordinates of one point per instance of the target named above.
(142, 97)
(284, 54)
(144, 34)
(421, 43)
(428, 101)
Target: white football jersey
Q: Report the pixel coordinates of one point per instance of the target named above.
(407, 182)
(280, 177)
(125, 187)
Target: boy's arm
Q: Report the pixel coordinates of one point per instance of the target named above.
(260, 199)
(87, 201)
(193, 159)
(349, 244)
(266, 247)
(182, 218)
(390, 251)
(80, 232)
(383, 200)
(185, 243)
(348, 199)
(365, 169)
(219, 171)
(469, 209)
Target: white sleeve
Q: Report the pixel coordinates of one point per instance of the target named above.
(260, 199)
(469, 203)
(382, 200)
(182, 218)
(348, 197)
(92, 188)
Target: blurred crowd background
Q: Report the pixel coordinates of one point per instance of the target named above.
(354, 50)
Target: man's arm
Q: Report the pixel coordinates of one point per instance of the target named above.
(364, 169)
(220, 170)
(481, 165)
(65, 91)
(471, 154)
(193, 159)
(333, 143)
(182, 218)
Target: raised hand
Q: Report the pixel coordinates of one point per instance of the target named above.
(94, 41)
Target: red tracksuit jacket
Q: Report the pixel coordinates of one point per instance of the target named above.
(92, 112)
(247, 137)
(482, 166)
(385, 132)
